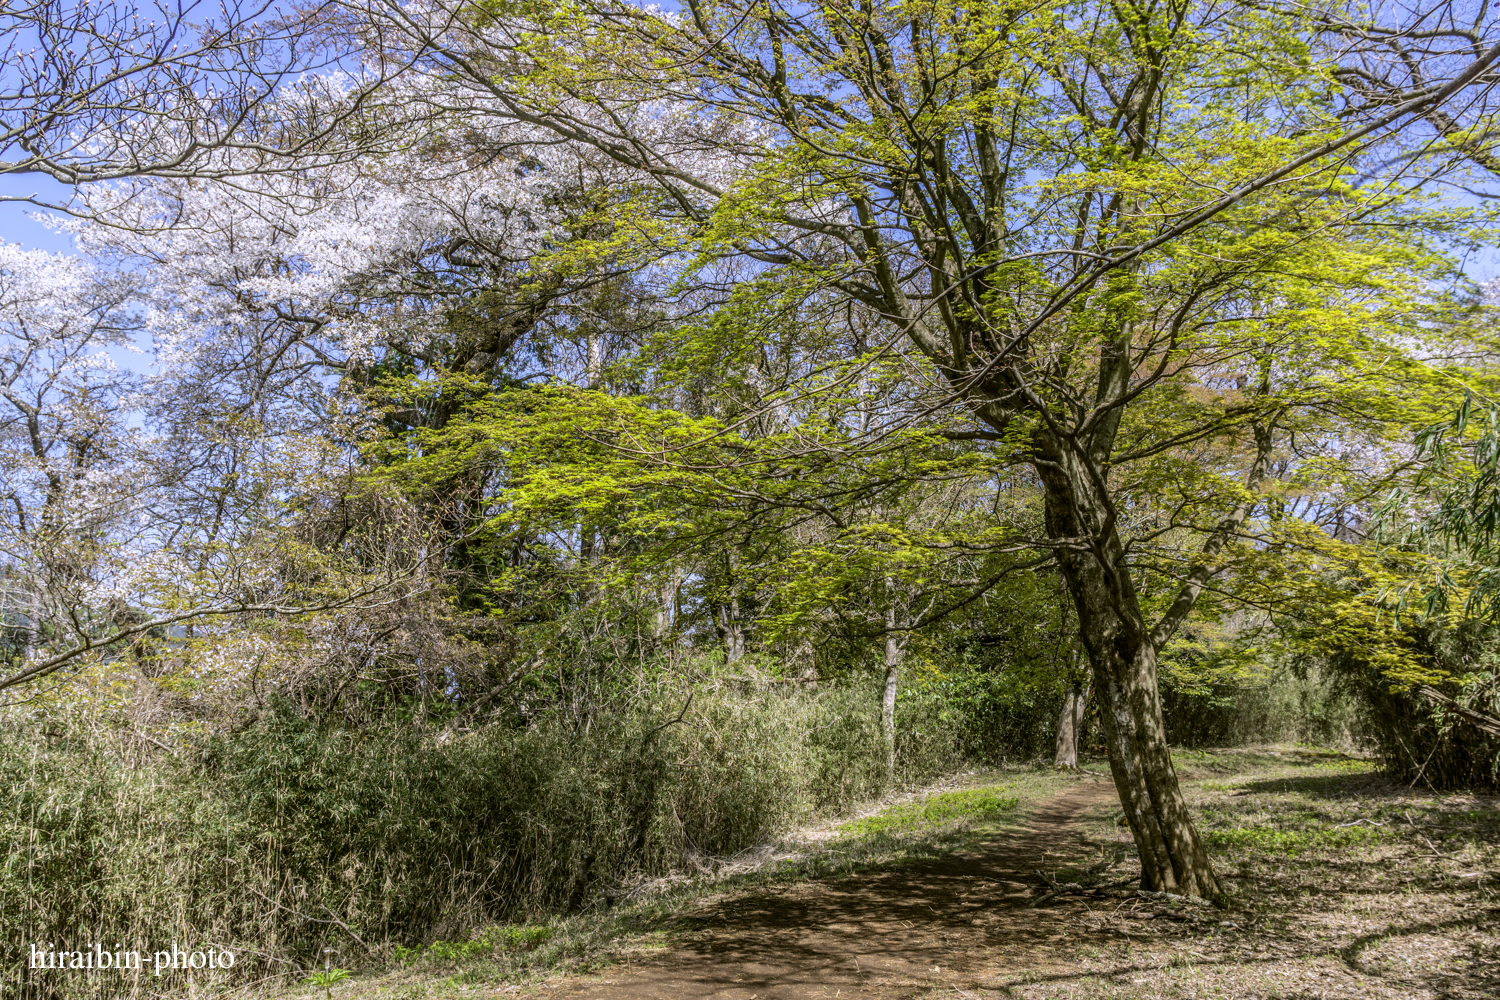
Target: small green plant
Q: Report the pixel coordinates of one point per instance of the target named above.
(329, 975)
(510, 937)
(449, 952)
(1292, 842)
(327, 978)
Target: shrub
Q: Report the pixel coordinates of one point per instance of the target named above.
(1422, 743)
(291, 835)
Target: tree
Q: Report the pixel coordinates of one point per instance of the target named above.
(71, 469)
(100, 91)
(1134, 243)
(110, 537)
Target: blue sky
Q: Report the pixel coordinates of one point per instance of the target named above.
(15, 227)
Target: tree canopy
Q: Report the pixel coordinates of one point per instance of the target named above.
(581, 335)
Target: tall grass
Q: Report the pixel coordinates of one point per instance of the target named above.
(288, 836)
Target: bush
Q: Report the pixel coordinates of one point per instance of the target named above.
(290, 836)
(991, 717)
(1301, 704)
(1417, 741)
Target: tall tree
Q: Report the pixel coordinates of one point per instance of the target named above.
(1150, 250)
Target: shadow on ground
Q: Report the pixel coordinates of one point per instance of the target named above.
(893, 932)
(1323, 786)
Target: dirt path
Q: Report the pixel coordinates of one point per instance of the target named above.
(892, 933)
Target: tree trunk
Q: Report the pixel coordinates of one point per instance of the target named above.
(666, 616)
(727, 614)
(731, 630)
(895, 651)
(888, 711)
(1070, 724)
(594, 365)
(1173, 858)
(1123, 658)
(1121, 650)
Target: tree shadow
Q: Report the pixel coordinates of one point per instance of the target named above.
(1361, 785)
(1478, 976)
(885, 931)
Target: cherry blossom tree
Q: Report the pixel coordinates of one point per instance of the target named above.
(108, 537)
(94, 91)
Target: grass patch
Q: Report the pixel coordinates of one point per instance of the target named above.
(1295, 801)
(1243, 760)
(972, 806)
(488, 942)
(1292, 842)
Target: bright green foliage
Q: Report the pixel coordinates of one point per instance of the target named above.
(982, 152)
(326, 979)
(971, 805)
(1454, 512)
(812, 527)
(488, 942)
(1292, 842)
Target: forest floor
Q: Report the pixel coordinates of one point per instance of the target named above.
(1340, 885)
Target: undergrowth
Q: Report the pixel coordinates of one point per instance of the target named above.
(291, 836)
(905, 828)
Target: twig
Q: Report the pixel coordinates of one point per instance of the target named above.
(1422, 771)
(1060, 888)
(1116, 885)
(335, 920)
(344, 927)
(159, 743)
(1424, 839)
(671, 722)
(1413, 757)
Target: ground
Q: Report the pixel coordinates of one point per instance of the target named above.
(1339, 885)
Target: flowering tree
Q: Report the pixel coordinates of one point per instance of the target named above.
(70, 467)
(444, 256)
(110, 534)
(277, 283)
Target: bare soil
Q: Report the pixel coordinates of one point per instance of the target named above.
(899, 932)
(1342, 887)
